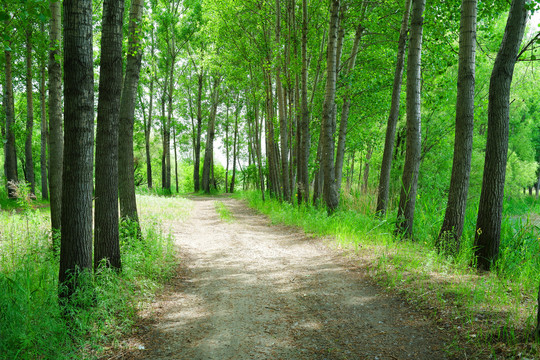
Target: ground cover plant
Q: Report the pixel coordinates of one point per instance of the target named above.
(34, 325)
(494, 313)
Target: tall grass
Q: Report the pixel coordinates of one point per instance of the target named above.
(35, 326)
(485, 308)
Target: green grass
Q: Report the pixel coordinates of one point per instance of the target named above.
(35, 326)
(223, 211)
(491, 312)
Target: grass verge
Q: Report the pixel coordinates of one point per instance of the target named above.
(490, 314)
(34, 326)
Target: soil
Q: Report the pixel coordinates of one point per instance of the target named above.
(247, 289)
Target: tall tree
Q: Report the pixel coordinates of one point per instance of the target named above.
(107, 242)
(488, 223)
(454, 217)
(56, 139)
(76, 231)
(209, 149)
(409, 182)
(328, 125)
(10, 154)
(304, 137)
(386, 166)
(126, 176)
(282, 112)
(44, 125)
(29, 160)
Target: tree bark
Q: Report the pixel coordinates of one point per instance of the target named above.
(76, 232)
(209, 150)
(488, 224)
(29, 159)
(283, 125)
(304, 141)
(328, 126)
(44, 125)
(235, 147)
(56, 139)
(197, 163)
(386, 166)
(340, 151)
(126, 176)
(452, 227)
(148, 124)
(10, 154)
(409, 189)
(107, 241)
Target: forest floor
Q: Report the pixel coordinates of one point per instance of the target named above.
(247, 289)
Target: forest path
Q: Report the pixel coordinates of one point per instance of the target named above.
(251, 290)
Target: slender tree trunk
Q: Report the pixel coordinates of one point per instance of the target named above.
(330, 193)
(235, 149)
(488, 224)
(56, 138)
(386, 166)
(282, 113)
(10, 162)
(452, 227)
(44, 125)
(126, 169)
(76, 232)
(409, 181)
(29, 159)
(148, 124)
(304, 144)
(227, 150)
(196, 165)
(106, 232)
(209, 150)
(340, 152)
(175, 160)
(351, 174)
(366, 169)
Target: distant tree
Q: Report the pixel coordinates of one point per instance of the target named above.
(107, 244)
(76, 232)
(29, 159)
(488, 223)
(209, 149)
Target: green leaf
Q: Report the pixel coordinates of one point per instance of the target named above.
(4, 16)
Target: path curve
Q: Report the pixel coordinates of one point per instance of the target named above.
(252, 290)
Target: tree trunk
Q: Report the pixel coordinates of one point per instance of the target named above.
(340, 152)
(10, 162)
(452, 227)
(175, 160)
(56, 139)
(366, 169)
(488, 224)
(126, 176)
(386, 166)
(43, 123)
(304, 142)
(328, 126)
(29, 159)
(283, 126)
(227, 150)
(197, 163)
(148, 124)
(76, 232)
(235, 149)
(407, 199)
(106, 232)
(209, 150)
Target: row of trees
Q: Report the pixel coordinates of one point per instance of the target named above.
(298, 92)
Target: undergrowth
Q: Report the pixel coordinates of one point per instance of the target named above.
(35, 326)
(492, 313)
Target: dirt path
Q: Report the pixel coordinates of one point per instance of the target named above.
(251, 290)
